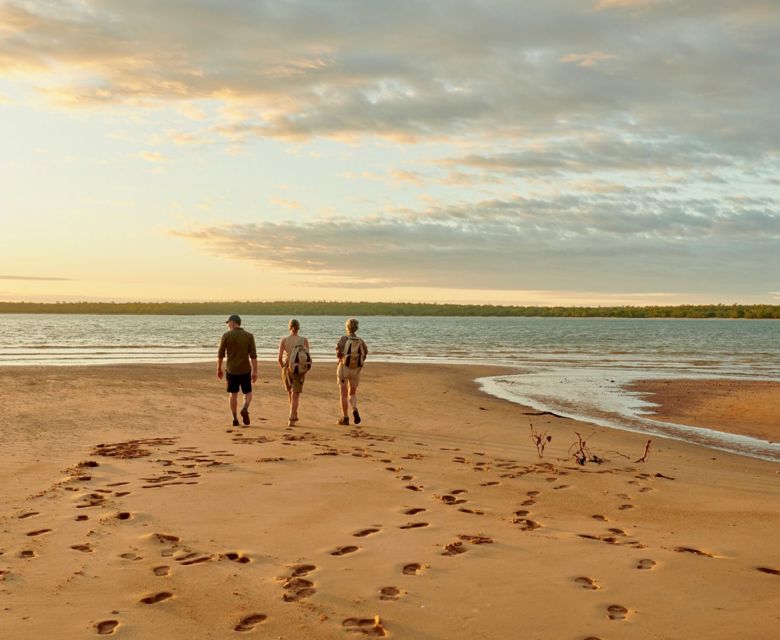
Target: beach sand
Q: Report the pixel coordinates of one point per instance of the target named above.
(747, 407)
(436, 520)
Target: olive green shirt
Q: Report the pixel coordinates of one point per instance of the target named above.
(240, 347)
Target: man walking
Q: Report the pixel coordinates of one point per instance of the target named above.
(241, 369)
(351, 352)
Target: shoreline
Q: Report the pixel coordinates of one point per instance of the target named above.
(745, 407)
(179, 525)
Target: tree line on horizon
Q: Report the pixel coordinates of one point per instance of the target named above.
(313, 308)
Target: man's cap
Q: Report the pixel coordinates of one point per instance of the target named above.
(234, 318)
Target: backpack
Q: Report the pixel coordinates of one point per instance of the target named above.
(299, 361)
(354, 353)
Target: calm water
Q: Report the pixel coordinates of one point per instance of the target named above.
(572, 366)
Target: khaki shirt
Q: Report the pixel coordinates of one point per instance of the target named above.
(240, 347)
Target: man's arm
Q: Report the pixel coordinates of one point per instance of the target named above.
(221, 357)
(253, 358)
(281, 352)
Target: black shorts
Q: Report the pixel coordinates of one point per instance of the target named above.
(236, 381)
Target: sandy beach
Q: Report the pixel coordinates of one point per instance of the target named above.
(129, 507)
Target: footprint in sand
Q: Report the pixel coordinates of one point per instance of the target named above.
(413, 487)
(526, 524)
(162, 571)
(123, 515)
(411, 569)
(39, 532)
(250, 622)
(189, 559)
(29, 514)
(27, 553)
(234, 556)
(389, 593)
(696, 552)
(302, 570)
(476, 512)
(156, 597)
(769, 570)
(645, 563)
(365, 626)
(617, 612)
(453, 549)
(81, 518)
(414, 511)
(364, 532)
(532, 494)
(456, 492)
(625, 507)
(107, 627)
(586, 583)
(298, 589)
(166, 538)
(598, 516)
(84, 548)
(492, 483)
(130, 556)
(562, 486)
(342, 551)
(413, 525)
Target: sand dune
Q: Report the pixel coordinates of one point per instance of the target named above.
(129, 509)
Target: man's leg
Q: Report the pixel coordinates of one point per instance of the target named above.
(233, 401)
(245, 408)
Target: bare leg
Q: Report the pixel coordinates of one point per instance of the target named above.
(294, 397)
(247, 400)
(344, 405)
(234, 404)
(353, 396)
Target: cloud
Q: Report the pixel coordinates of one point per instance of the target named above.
(32, 278)
(297, 69)
(594, 242)
(590, 59)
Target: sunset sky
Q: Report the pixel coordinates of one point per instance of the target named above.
(511, 152)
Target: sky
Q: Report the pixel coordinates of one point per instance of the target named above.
(575, 152)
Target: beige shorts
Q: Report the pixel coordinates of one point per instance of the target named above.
(345, 374)
(292, 382)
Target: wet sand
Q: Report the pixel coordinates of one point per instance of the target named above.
(750, 408)
(436, 519)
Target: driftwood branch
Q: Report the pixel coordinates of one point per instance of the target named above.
(545, 413)
(541, 440)
(644, 455)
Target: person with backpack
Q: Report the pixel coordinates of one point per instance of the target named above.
(295, 361)
(351, 352)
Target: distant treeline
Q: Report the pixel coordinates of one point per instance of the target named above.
(303, 308)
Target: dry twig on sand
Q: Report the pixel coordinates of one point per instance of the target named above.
(540, 440)
(644, 455)
(582, 454)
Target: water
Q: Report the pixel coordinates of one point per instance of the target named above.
(572, 366)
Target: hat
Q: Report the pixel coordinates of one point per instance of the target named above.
(234, 318)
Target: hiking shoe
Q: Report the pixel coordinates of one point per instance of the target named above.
(343, 421)
(356, 416)
(235, 422)
(245, 416)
